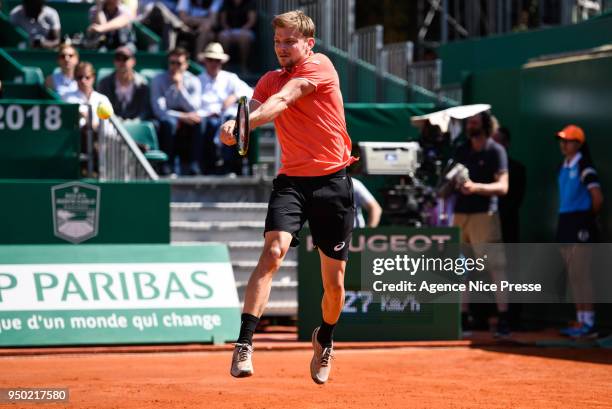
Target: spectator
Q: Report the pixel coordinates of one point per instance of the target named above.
(175, 99)
(523, 22)
(365, 200)
(41, 22)
(62, 81)
(510, 204)
(160, 17)
(476, 205)
(85, 75)
(580, 199)
(111, 25)
(201, 17)
(220, 91)
(127, 90)
(132, 7)
(237, 20)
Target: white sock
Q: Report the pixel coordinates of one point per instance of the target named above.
(588, 318)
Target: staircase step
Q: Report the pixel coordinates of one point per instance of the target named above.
(282, 308)
(197, 211)
(212, 189)
(244, 250)
(224, 231)
(285, 273)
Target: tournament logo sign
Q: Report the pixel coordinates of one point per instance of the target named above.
(76, 211)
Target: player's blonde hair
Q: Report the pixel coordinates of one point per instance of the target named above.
(295, 19)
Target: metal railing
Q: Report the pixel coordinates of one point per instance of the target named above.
(395, 57)
(367, 44)
(453, 93)
(119, 158)
(334, 19)
(425, 74)
(335, 22)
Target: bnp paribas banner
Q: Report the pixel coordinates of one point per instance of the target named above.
(116, 294)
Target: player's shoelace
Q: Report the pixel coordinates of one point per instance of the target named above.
(326, 356)
(244, 351)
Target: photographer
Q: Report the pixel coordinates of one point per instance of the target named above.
(477, 205)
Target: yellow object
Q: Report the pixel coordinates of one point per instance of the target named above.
(104, 110)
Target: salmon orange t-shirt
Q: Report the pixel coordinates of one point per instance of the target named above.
(312, 131)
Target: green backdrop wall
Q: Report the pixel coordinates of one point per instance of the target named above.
(537, 102)
(513, 50)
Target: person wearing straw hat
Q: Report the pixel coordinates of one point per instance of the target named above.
(580, 199)
(220, 91)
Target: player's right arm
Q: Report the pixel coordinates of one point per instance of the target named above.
(227, 129)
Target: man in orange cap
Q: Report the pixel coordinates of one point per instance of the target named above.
(580, 199)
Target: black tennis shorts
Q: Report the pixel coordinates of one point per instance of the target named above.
(327, 203)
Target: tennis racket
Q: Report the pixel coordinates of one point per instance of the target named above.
(241, 129)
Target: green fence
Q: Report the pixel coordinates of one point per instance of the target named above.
(47, 60)
(52, 212)
(513, 50)
(383, 122)
(11, 36)
(40, 139)
(11, 90)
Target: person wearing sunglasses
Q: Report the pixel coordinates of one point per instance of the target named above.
(580, 200)
(88, 100)
(85, 95)
(175, 99)
(62, 79)
(126, 89)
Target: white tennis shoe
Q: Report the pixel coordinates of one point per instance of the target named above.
(242, 364)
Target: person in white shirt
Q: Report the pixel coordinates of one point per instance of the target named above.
(365, 200)
(85, 75)
(220, 91)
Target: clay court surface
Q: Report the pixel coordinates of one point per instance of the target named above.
(410, 377)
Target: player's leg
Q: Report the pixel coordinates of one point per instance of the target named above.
(257, 293)
(331, 225)
(332, 274)
(258, 289)
(284, 215)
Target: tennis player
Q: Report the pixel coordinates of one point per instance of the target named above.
(303, 99)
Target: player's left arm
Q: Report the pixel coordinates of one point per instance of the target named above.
(279, 102)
